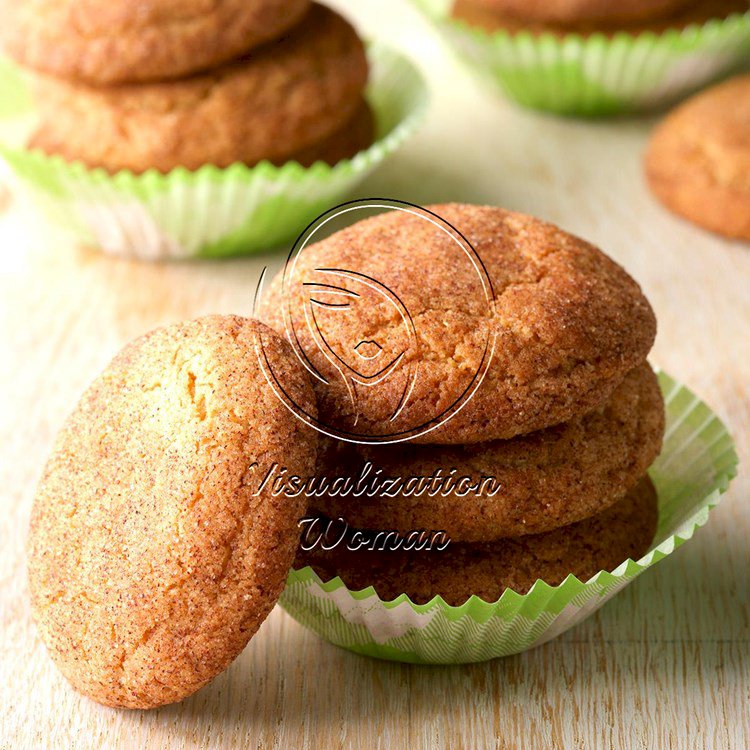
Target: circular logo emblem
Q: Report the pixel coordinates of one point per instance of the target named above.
(366, 329)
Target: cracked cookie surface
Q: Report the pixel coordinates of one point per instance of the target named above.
(567, 324)
(119, 41)
(602, 542)
(279, 100)
(540, 481)
(153, 557)
(698, 159)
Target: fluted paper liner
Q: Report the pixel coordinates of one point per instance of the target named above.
(596, 74)
(697, 462)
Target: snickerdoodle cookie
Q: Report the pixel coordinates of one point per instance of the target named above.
(492, 15)
(698, 159)
(525, 485)
(410, 335)
(602, 542)
(153, 555)
(568, 12)
(117, 41)
(354, 136)
(279, 100)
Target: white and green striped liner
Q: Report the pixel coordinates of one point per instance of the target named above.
(596, 74)
(693, 470)
(208, 212)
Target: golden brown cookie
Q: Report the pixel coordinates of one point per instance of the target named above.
(625, 530)
(525, 485)
(355, 136)
(279, 100)
(698, 159)
(118, 41)
(567, 12)
(415, 339)
(153, 554)
(479, 13)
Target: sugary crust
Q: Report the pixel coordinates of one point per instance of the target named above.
(568, 323)
(152, 558)
(577, 11)
(625, 530)
(548, 479)
(120, 41)
(478, 13)
(279, 100)
(698, 159)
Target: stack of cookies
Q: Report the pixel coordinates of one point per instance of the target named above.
(161, 536)
(124, 85)
(506, 391)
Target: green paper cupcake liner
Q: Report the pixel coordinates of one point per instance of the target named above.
(208, 212)
(697, 462)
(597, 75)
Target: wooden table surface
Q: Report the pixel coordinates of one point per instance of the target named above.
(665, 664)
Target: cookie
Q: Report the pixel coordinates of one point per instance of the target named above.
(698, 159)
(416, 338)
(117, 41)
(276, 102)
(153, 554)
(525, 485)
(492, 18)
(356, 135)
(571, 12)
(625, 530)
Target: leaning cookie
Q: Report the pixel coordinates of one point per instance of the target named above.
(698, 159)
(458, 324)
(625, 530)
(152, 558)
(525, 485)
(279, 100)
(117, 41)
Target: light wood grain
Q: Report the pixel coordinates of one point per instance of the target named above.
(665, 664)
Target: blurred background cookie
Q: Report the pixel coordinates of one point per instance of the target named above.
(588, 17)
(117, 41)
(602, 542)
(283, 98)
(698, 159)
(352, 137)
(574, 12)
(152, 557)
